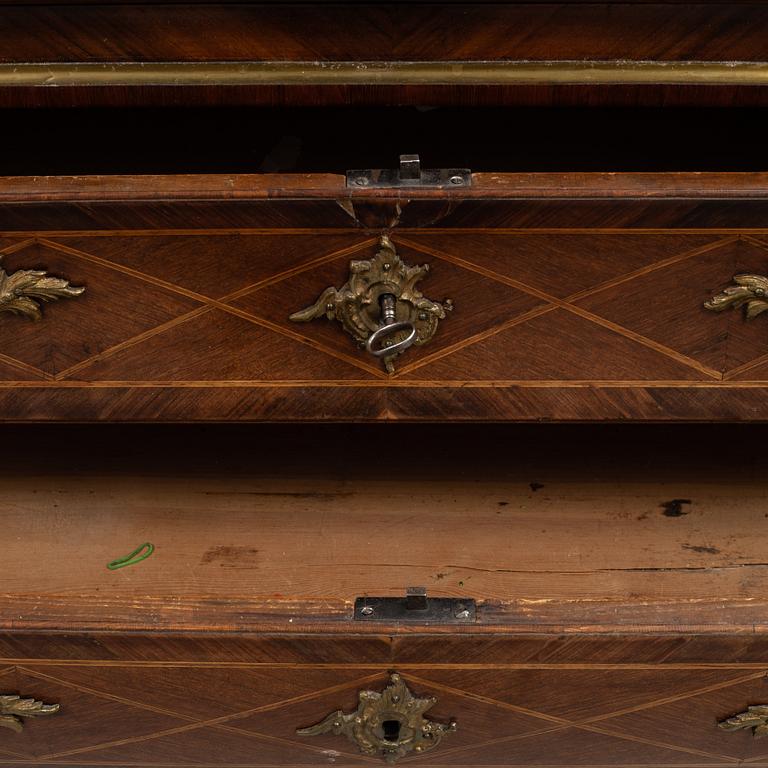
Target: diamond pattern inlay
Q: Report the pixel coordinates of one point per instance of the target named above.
(636, 313)
(542, 690)
(570, 747)
(202, 692)
(114, 308)
(209, 746)
(563, 264)
(692, 721)
(248, 716)
(214, 265)
(218, 346)
(479, 721)
(84, 720)
(667, 306)
(551, 347)
(480, 303)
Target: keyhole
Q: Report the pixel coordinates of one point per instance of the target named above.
(391, 730)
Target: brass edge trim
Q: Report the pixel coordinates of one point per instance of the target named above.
(254, 73)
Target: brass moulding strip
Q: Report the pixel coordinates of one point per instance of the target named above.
(266, 73)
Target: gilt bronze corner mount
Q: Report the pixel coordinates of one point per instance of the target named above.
(390, 724)
(23, 291)
(380, 306)
(749, 291)
(13, 710)
(755, 717)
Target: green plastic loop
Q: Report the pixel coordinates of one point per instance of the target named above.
(138, 554)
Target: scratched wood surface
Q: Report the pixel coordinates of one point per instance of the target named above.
(290, 531)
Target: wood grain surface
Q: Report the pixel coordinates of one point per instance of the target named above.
(603, 559)
(283, 529)
(383, 32)
(551, 322)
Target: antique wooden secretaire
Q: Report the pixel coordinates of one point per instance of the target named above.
(383, 382)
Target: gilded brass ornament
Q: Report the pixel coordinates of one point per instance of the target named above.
(750, 291)
(459, 72)
(14, 708)
(380, 306)
(22, 291)
(390, 724)
(755, 718)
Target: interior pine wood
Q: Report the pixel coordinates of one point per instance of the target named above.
(283, 529)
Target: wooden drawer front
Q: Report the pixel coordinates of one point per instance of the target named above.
(557, 325)
(215, 714)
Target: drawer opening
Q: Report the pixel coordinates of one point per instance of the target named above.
(617, 528)
(334, 140)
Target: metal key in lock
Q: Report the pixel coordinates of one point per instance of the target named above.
(380, 306)
(390, 327)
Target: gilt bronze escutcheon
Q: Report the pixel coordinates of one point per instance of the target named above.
(380, 306)
(390, 724)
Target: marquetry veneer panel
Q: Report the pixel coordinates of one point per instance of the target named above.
(217, 265)
(220, 347)
(664, 305)
(509, 714)
(203, 693)
(85, 719)
(562, 264)
(547, 324)
(115, 308)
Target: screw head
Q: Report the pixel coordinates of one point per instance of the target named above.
(361, 181)
(456, 180)
(462, 614)
(366, 610)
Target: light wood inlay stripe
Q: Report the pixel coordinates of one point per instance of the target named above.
(561, 303)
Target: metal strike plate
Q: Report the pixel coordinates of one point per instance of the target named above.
(410, 174)
(416, 608)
